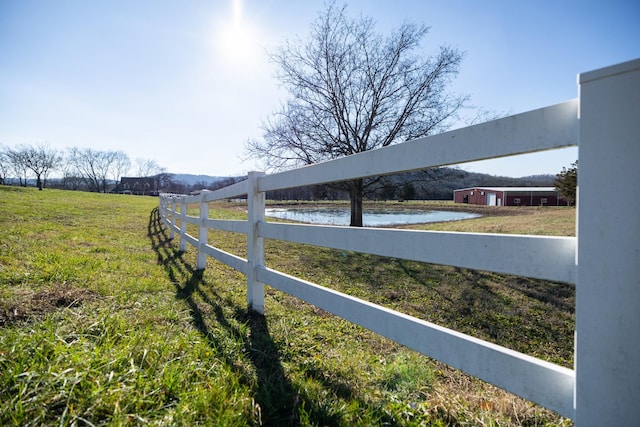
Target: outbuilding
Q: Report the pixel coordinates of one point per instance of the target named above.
(137, 185)
(509, 196)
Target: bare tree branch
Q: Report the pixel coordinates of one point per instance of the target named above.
(39, 159)
(354, 90)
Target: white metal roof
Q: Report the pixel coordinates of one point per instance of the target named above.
(511, 189)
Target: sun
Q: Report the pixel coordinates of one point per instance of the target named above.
(236, 40)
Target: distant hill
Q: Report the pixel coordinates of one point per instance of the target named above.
(473, 179)
(450, 177)
(441, 182)
(431, 184)
(190, 179)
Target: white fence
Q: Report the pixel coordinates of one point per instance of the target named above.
(604, 123)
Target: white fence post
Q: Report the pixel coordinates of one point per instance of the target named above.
(174, 206)
(255, 244)
(163, 210)
(608, 288)
(203, 234)
(183, 224)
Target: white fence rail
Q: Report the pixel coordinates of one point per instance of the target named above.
(604, 387)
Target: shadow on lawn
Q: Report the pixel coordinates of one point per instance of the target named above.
(281, 403)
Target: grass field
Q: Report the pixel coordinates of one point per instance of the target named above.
(104, 322)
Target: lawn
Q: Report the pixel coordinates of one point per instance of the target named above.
(104, 322)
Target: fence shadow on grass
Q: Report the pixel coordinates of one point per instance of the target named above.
(281, 403)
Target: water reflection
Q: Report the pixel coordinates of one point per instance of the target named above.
(370, 218)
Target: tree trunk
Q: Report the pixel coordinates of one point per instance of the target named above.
(355, 194)
(39, 182)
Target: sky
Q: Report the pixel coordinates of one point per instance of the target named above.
(187, 83)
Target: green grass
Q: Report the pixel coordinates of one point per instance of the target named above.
(104, 322)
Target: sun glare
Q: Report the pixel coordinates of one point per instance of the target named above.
(236, 40)
(237, 10)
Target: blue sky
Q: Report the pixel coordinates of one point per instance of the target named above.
(187, 83)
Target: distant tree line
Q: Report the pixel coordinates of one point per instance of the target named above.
(76, 168)
(88, 169)
(430, 184)
(180, 187)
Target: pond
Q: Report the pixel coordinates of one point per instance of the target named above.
(370, 217)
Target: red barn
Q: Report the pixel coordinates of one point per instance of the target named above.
(509, 196)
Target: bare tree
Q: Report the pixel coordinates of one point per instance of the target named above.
(161, 181)
(95, 167)
(17, 163)
(4, 167)
(71, 179)
(39, 159)
(85, 162)
(148, 167)
(353, 90)
(104, 166)
(121, 165)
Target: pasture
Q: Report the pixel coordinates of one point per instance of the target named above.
(103, 321)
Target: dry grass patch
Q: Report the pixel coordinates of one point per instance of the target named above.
(26, 304)
(543, 221)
